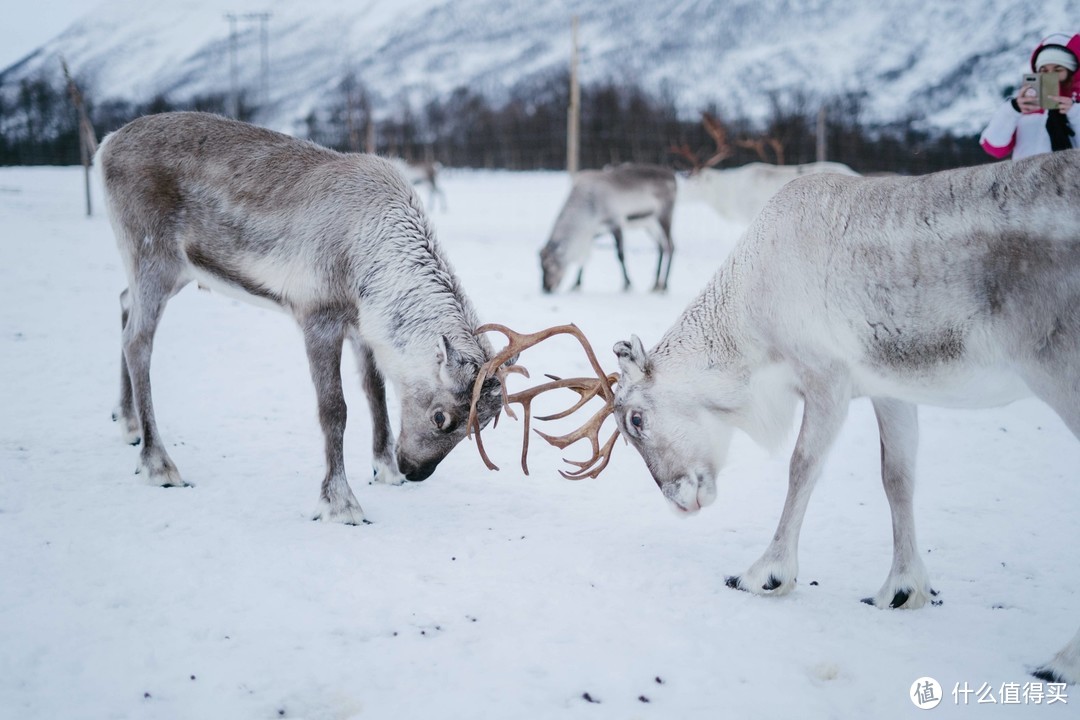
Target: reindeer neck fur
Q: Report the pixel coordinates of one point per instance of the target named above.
(714, 347)
(401, 311)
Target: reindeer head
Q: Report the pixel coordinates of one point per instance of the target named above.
(679, 421)
(676, 425)
(435, 414)
(680, 412)
(552, 266)
(571, 237)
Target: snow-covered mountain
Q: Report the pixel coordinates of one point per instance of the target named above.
(947, 62)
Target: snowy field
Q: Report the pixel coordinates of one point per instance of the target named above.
(474, 594)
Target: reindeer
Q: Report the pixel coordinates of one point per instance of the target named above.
(739, 193)
(958, 289)
(607, 201)
(338, 241)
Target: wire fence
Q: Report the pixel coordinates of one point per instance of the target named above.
(525, 131)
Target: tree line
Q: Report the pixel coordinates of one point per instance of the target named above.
(525, 130)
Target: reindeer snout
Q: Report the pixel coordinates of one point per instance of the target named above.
(690, 493)
(416, 473)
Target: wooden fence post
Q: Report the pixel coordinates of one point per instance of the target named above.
(87, 137)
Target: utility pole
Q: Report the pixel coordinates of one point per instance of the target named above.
(573, 113)
(234, 92)
(264, 55)
(87, 137)
(821, 149)
(264, 59)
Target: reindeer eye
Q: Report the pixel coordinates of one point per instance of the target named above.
(440, 419)
(636, 419)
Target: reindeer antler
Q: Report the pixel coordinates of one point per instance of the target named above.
(586, 388)
(758, 145)
(718, 133)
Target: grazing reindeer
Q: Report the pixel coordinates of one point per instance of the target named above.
(960, 289)
(606, 201)
(424, 173)
(339, 241)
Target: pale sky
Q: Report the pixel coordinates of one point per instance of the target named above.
(28, 24)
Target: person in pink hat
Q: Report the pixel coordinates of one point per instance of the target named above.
(1020, 127)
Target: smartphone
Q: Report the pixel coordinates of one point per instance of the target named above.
(1030, 86)
(1048, 89)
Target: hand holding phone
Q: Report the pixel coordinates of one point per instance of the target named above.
(1039, 90)
(1027, 97)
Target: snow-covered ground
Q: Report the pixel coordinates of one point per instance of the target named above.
(474, 594)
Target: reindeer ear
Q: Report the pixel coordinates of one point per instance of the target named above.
(631, 354)
(449, 358)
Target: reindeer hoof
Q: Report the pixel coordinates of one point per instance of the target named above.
(386, 474)
(766, 578)
(1047, 674)
(349, 514)
(735, 583)
(160, 473)
(131, 433)
(320, 518)
(901, 598)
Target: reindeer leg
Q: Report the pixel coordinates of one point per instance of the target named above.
(667, 249)
(125, 411)
(826, 402)
(148, 297)
(1054, 385)
(382, 452)
(908, 585)
(1065, 666)
(324, 334)
(616, 232)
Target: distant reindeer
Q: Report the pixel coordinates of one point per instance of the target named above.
(958, 289)
(338, 241)
(424, 173)
(739, 193)
(609, 201)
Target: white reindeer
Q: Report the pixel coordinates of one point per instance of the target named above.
(959, 289)
(608, 201)
(338, 241)
(739, 193)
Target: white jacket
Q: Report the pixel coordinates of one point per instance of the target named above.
(1020, 134)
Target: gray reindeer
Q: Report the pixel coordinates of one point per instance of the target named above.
(339, 241)
(607, 201)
